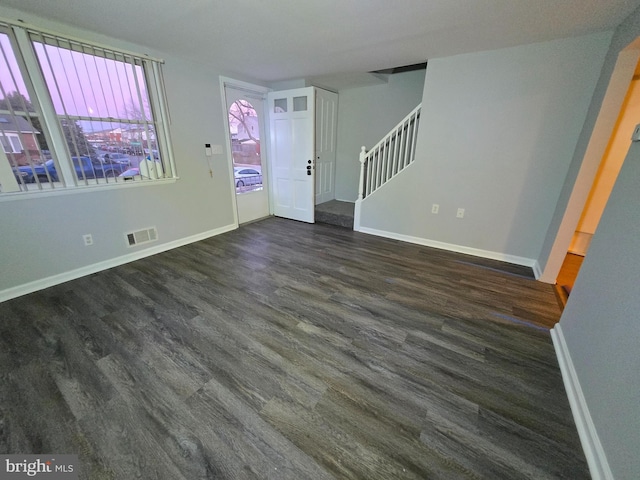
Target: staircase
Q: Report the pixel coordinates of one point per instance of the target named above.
(387, 158)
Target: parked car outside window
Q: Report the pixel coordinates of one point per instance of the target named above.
(120, 158)
(247, 176)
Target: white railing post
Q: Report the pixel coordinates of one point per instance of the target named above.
(363, 154)
(356, 211)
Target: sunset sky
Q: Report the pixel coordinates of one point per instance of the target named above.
(81, 84)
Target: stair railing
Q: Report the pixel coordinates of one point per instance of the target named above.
(387, 158)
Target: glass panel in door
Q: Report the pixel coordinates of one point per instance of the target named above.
(245, 146)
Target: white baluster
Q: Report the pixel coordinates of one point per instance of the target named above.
(416, 124)
(405, 139)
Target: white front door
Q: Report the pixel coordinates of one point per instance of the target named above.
(245, 110)
(326, 131)
(292, 114)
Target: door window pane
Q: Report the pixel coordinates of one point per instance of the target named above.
(280, 105)
(299, 104)
(244, 129)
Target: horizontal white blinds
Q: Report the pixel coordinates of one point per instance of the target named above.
(95, 90)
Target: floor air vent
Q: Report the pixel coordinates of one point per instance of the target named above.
(142, 236)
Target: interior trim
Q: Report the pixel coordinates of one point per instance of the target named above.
(476, 252)
(57, 279)
(593, 451)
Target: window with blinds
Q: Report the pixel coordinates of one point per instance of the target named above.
(21, 133)
(73, 114)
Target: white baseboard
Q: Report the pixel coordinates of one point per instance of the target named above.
(503, 257)
(40, 284)
(537, 271)
(596, 457)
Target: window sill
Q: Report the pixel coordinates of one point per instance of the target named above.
(76, 190)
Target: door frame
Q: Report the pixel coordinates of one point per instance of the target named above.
(264, 149)
(609, 110)
(320, 142)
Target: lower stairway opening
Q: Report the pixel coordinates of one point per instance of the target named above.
(335, 212)
(567, 277)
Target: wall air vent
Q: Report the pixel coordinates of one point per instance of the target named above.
(142, 236)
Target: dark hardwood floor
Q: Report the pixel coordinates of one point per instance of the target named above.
(291, 351)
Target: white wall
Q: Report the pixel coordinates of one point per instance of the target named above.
(497, 135)
(42, 236)
(365, 115)
(289, 84)
(601, 324)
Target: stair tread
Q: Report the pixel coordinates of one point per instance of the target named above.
(335, 212)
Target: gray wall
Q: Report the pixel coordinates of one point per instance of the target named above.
(624, 35)
(42, 236)
(601, 324)
(365, 115)
(497, 135)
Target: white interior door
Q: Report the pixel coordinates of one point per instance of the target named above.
(326, 131)
(245, 111)
(291, 118)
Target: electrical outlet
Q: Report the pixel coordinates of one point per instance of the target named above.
(460, 213)
(435, 208)
(88, 239)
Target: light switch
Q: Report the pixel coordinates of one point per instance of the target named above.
(216, 149)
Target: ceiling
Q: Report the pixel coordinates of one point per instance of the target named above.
(288, 39)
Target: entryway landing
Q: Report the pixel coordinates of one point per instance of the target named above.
(335, 212)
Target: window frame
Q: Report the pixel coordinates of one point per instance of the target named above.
(22, 38)
(11, 137)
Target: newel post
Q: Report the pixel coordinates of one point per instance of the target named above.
(363, 154)
(356, 212)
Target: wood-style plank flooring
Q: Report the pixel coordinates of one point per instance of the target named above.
(291, 351)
